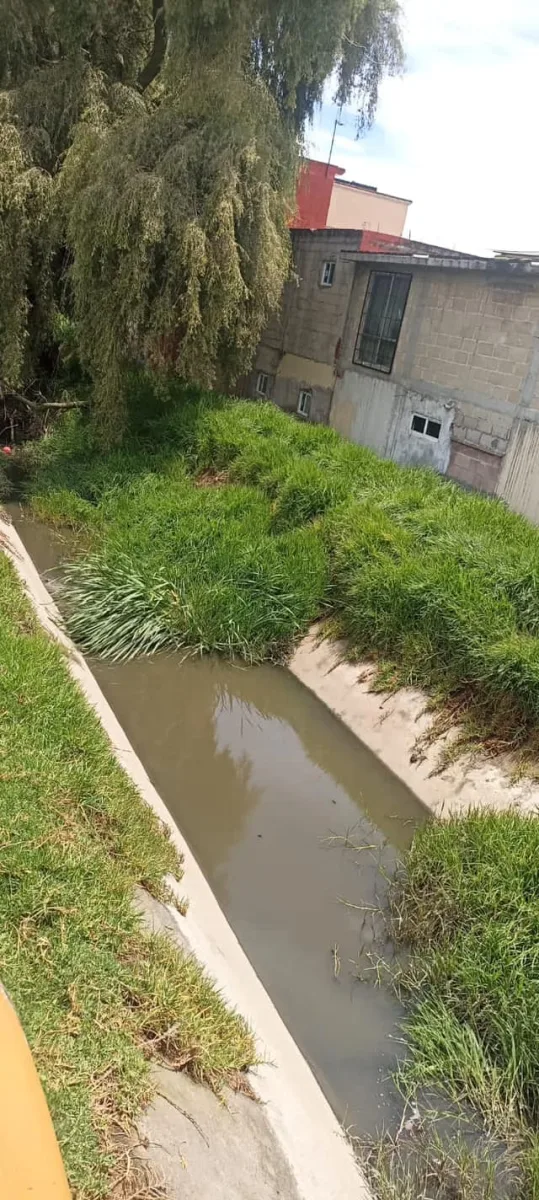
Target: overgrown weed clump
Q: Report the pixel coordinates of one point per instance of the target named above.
(466, 905)
(221, 525)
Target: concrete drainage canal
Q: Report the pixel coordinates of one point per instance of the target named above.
(296, 826)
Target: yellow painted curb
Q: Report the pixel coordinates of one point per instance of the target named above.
(31, 1166)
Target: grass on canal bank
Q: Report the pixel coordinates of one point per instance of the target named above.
(226, 526)
(431, 1166)
(467, 906)
(95, 994)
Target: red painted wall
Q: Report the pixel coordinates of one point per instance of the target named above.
(389, 243)
(315, 186)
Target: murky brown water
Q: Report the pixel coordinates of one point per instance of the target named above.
(259, 775)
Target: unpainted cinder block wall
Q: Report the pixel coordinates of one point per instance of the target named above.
(307, 331)
(470, 345)
(467, 356)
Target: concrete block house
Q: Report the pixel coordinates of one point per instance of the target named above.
(428, 356)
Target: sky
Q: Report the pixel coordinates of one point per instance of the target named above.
(459, 132)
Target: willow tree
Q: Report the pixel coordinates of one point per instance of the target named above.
(148, 157)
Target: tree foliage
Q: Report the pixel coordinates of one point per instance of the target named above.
(148, 156)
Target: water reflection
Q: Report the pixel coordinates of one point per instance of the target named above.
(259, 776)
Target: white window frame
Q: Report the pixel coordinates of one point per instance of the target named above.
(305, 398)
(262, 384)
(422, 433)
(327, 277)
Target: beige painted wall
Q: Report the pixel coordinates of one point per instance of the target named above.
(306, 371)
(358, 208)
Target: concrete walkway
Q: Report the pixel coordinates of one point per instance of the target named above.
(202, 1147)
(199, 1145)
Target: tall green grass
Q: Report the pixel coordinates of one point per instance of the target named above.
(226, 526)
(196, 569)
(302, 524)
(467, 906)
(97, 996)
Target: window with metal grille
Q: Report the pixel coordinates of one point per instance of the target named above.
(381, 320)
(262, 384)
(304, 403)
(328, 274)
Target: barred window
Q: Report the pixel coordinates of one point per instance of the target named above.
(381, 320)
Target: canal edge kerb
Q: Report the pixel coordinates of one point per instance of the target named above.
(305, 1127)
(389, 724)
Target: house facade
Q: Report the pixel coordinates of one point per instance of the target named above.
(428, 356)
(324, 200)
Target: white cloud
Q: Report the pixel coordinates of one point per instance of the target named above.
(458, 133)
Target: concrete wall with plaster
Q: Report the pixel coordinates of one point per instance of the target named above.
(286, 390)
(378, 413)
(518, 482)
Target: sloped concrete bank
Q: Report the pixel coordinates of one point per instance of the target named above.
(295, 1145)
(390, 725)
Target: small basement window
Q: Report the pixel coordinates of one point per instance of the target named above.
(328, 273)
(426, 425)
(262, 384)
(304, 402)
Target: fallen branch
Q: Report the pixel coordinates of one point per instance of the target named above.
(41, 402)
(59, 404)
